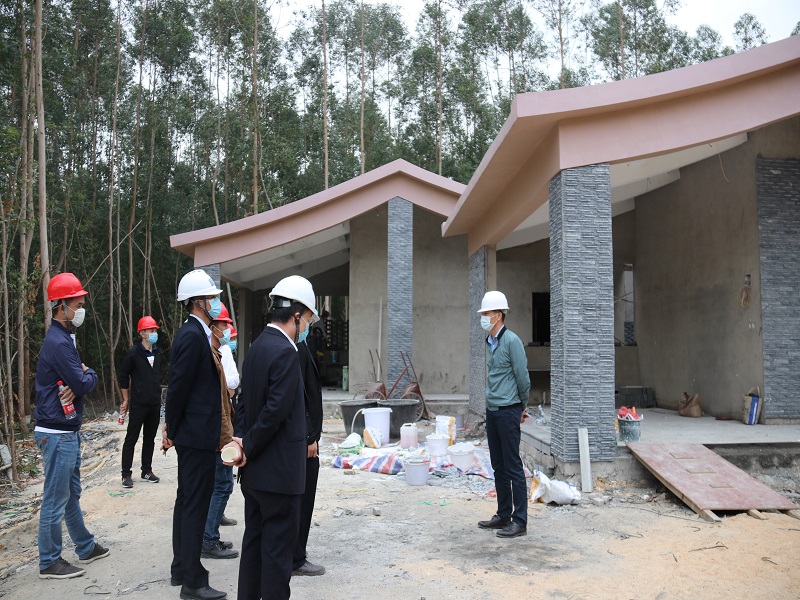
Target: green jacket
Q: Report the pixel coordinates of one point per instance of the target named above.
(507, 381)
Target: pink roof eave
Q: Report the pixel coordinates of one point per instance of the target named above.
(319, 212)
(547, 132)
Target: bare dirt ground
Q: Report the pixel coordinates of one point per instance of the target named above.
(379, 537)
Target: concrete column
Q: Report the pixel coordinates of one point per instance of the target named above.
(213, 272)
(778, 185)
(400, 292)
(581, 313)
(482, 278)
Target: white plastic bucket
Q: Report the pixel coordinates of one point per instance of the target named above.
(416, 471)
(437, 444)
(378, 418)
(461, 456)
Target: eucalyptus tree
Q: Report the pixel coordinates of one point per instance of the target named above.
(631, 38)
(748, 32)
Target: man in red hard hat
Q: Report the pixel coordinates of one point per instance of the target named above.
(140, 384)
(62, 381)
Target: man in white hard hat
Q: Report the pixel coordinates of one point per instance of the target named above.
(193, 424)
(507, 388)
(271, 430)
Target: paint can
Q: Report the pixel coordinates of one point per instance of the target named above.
(378, 418)
(629, 431)
(417, 470)
(438, 443)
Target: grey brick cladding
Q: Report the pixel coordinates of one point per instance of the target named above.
(581, 313)
(778, 189)
(400, 294)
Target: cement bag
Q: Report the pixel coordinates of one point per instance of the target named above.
(544, 489)
(351, 445)
(447, 426)
(540, 484)
(373, 437)
(560, 492)
(689, 406)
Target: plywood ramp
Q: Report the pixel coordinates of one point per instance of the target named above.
(705, 481)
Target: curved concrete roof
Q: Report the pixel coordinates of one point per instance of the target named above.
(621, 121)
(314, 227)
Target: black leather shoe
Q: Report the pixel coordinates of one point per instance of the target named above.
(203, 593)
(309, 569)
(226, 544)
(226, 522)
(495, 522)
(175, 581)
(217, 551)
(512, 530)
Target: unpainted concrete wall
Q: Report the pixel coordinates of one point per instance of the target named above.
(441, 301)
(696, 240)
(441, 305)
(368, 285)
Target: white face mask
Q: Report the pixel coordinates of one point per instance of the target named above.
(486, 323)
(78, 317)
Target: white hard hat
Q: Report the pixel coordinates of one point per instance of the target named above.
(195, 284)
(493, 301)
(298, 289)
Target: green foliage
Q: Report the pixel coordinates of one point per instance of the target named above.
(457, 73)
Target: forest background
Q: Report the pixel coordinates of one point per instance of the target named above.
(122, 123)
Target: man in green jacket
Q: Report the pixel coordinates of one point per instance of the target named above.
(507, 387)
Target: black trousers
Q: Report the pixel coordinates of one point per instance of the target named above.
(271, 522)
(306, 510)
(196, 470)
(503, 435)
(138, 417)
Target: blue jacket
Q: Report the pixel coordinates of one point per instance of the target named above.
(59, 360)
(508, 381)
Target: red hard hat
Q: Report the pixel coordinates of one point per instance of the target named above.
(234, 333)
(147, 322)
(64, 285)
(224, 315)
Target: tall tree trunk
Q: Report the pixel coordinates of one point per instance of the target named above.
(325, 91)
(621, 39)
(8, 396)
(44, 248)
(255, 106)
(219, 120)
(113, 334)
(26, 232)
(135, 184)
(363, 84)
(439, 86)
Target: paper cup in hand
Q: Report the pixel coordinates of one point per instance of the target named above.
(230, 454)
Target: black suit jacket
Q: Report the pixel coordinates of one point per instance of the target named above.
(313, 395)
(272, 419)
(194, 407)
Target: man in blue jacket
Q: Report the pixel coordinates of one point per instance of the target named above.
(507, 388)
(59, 414)
(193, 421)
(271, 425)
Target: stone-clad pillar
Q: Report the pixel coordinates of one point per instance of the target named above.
(581, 313)
(213, 272)
(482, 278)
(400, 293)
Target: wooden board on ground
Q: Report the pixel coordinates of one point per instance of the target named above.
(705, 481)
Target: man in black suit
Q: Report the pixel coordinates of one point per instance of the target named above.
(271, 430)
(193, 424)
(313, 397)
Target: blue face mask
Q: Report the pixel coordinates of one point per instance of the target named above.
(232, 345)
(225, 339)
(152, 338)
(216, 308)
(301, 337)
